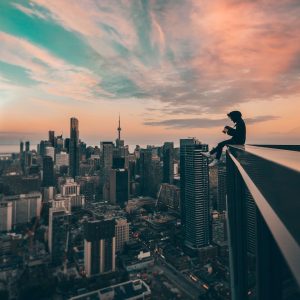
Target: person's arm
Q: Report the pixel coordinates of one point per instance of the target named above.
(230, 131)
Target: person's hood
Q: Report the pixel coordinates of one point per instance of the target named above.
(235, 115)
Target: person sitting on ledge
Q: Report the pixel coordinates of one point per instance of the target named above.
(238, 136)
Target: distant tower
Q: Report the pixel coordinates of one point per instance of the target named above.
(51, 138)
(21, 147)
(119, 142)
(119, 129)
(168, 160)
(27, 146)
(48, 171)
(74, 148)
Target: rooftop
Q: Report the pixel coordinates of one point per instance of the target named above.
(134, 289)
(272, 176)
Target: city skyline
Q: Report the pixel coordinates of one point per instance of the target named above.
(149, 149)
(159, 64)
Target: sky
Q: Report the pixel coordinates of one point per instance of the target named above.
(171, 68)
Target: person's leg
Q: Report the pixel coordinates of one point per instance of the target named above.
(220, 149)
(213, 150)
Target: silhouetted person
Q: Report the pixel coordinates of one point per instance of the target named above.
(238, 136)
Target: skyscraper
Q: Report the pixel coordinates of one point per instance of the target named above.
(48, 171)
(184, 145)
(52, 137)
(99, 247)
(107, 155)
(168, 160)
(21, 147)
(58, 231)
(74, 148)
(50, 151)
(119, 186)
(195, 183)
(27, 146)
(145, 170)
(71, 189)
(59, 144)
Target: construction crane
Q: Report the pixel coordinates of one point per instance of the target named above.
(158, 195)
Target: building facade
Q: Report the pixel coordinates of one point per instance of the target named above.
(195, 183)
(99, 247)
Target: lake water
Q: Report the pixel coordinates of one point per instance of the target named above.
(6, 149)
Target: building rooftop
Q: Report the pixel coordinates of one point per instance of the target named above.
(272, 176)
(134, 289)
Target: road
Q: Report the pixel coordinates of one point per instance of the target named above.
(179, 280)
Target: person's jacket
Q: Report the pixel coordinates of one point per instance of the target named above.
(238, 133)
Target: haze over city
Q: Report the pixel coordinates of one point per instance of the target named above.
(171, 68)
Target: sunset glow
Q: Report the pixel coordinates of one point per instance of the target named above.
(171, 69)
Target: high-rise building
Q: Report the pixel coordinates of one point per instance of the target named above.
(71, 189)
(59, 144)
(185, 144)
(107, 156)
(121, 233)
(59, 215)
(42, 146)
(67, 144)
(221, 198)
(155, 177)
(5, 216)
(74, 148)
(195, 184)
(61, 202)
(119, 186)
(51, 138)
(170, 196)
(99, 247)
(50, 151)
(27, 146)
(219, 231)
(118, 162)
(144, 163)
(21, 147)
(48, 171)
(24, 207)
(168, 160)
(48, 193)
(61, 159)
(263, 218)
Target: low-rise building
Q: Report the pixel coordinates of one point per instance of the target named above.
(129, 290)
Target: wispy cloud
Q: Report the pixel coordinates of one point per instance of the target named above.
(212, 55)
(192, 58)
(52, 75)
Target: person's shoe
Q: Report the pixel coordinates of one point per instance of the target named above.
(206, 154)
(214, 163)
